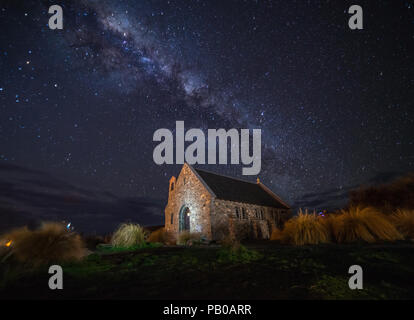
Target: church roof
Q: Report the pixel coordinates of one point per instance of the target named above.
(232, 189)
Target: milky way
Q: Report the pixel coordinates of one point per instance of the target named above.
(335, 106)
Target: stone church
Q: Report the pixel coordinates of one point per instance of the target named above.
(217, 206)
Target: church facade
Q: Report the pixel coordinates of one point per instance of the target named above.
(217, 206)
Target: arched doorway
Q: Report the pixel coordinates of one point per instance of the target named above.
(184, 219)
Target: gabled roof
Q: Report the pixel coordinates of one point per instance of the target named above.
(232, 189)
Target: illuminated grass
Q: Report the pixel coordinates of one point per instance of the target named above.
(403, 220)
(49, 244)
(366, 224)
(128, 235)
(305, 229)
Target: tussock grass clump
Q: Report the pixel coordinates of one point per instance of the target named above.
(188, 238)
(276, 235)
(329, 221)
(363, 223)
(305, 229)
(161, 236)
(403, 220)
(51, 243)
(128, 235)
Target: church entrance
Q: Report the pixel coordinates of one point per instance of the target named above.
(184, 219)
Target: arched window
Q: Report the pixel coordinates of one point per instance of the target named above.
(172, 186)
(172, 218)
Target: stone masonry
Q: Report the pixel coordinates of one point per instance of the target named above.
(216, 218)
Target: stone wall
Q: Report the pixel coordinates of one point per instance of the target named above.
(247, 225)
(215, 218)
(189, 191)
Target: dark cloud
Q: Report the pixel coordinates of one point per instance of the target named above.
(331, 199)
(28, 195)
(384, 177)
(337, 197)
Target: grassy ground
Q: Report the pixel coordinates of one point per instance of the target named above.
(262, 271)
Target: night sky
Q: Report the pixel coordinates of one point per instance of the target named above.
(80, 105)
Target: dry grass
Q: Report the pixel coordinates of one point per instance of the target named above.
(276, 234)
(354, 224)
(403, 220)
(330, 223)
(305, 229)
(51, 243)
(188, 238)
(162, 236)
(128, 235)
(363, 224)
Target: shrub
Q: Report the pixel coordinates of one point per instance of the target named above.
(92, 241)
(51, 243)
(162, 236)
(188, 238)
(366, 224)
(243, 230)
(237, 253)
(305, 229)
(229, 241)
(276, 234)
(107, 238)
(221, 229)
(396, 194)
(128, 235)
(403, 220)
